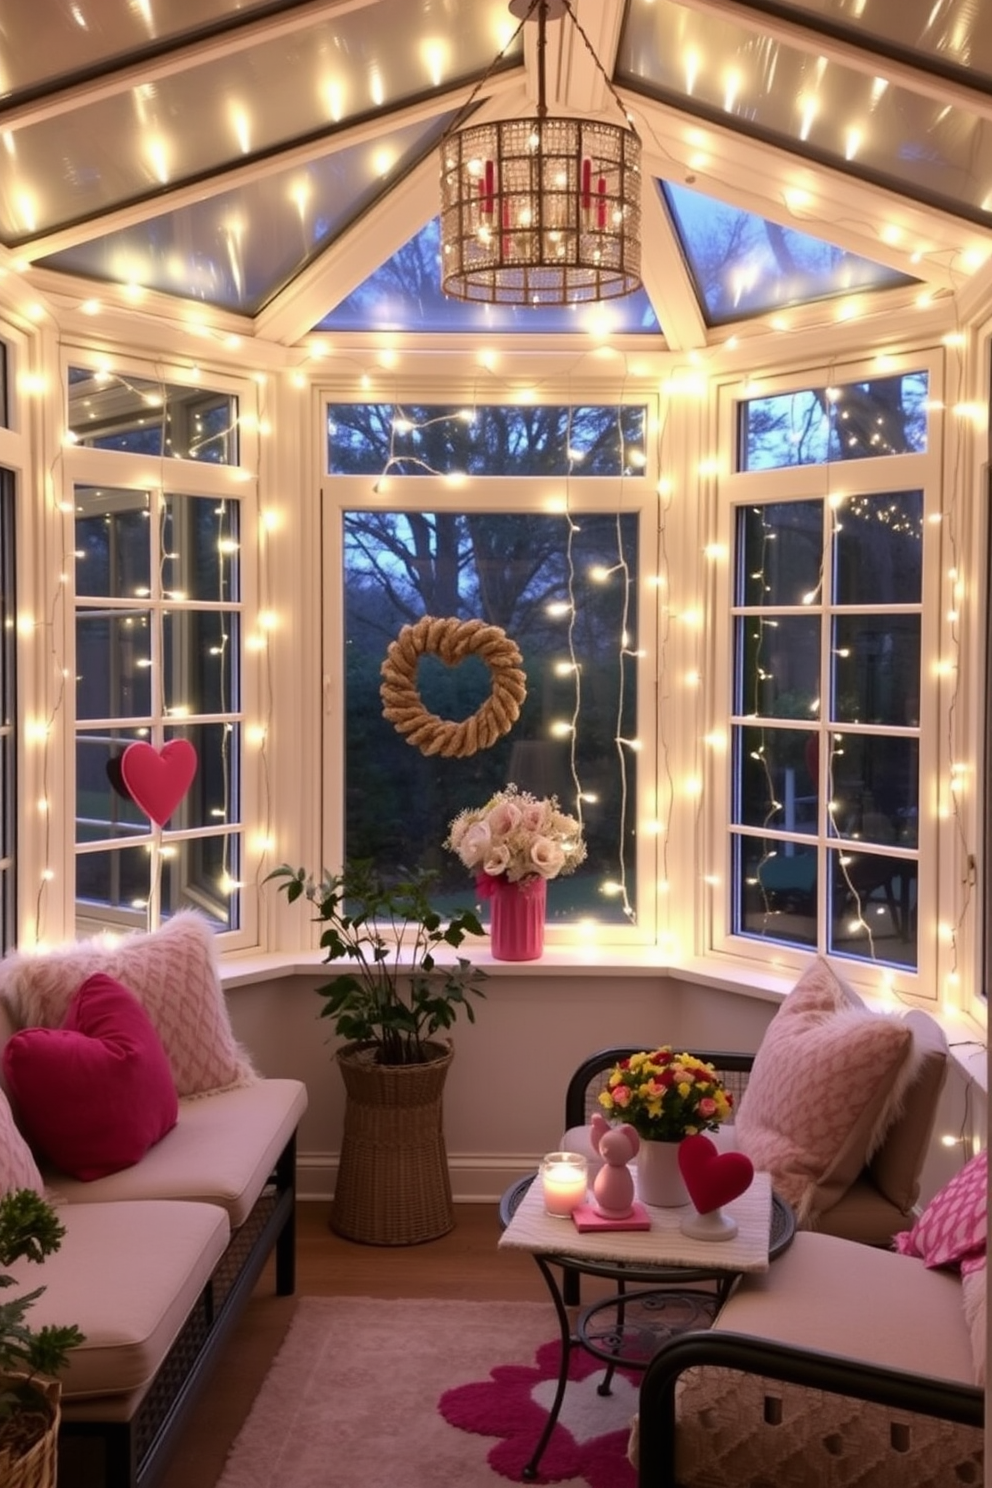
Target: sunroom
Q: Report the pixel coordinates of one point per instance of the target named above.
(735, 519)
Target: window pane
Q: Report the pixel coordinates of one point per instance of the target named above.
(384, 439)
(876, 669)
(778, 666)
(113, 664)
(103, 806)
(777, 781)
(112, 547)
(197, 651)
(518, 572)
(113, 887)
(213, 799)
(878, 549)
(116, 412)
(874, 907)
(200, 548)
(811, 426)
(875, 788)
(781, 552)
(776, 890)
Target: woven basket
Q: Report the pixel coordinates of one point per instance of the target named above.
(38, 1467)
(392, 1185)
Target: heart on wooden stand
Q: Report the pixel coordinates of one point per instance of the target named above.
(712, 1178)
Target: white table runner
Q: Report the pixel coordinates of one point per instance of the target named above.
(663, 1245)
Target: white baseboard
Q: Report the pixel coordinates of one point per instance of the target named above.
(474, 1179)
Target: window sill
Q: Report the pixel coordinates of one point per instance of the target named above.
(966, 1037)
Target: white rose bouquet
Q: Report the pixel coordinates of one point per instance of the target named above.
(516, 837)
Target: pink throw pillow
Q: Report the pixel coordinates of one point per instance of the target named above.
(172, 972)
(18, 1168)
(953, 1228)
(95, 1094)
(825, 1084)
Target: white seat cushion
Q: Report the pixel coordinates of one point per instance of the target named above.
(221, 1151)
(128, 1276)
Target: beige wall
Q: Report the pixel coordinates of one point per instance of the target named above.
(505, 1090)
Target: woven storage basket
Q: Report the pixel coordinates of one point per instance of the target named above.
(38, 1467)
(392, 1185)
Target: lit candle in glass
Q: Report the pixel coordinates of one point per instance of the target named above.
(564, 1180)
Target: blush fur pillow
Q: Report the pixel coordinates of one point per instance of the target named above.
(827, 1082)
(172, 972)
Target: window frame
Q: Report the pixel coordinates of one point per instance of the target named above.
(926, 472)
(555, 494)
(171, 476)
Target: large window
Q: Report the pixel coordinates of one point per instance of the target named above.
(828, 815)
(158, 647)
(557, 568)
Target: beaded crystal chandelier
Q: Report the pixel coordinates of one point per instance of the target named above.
(541, 211)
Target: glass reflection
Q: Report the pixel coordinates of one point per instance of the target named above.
(113, 558)
(198, 647)
(115, 411)
(873, 907)
(776, 891)
(777, 780)
(876, 669)
(742, 264)
(875, 788)
(878, 549)
(781, 547)
(113, 664)
(778, 666)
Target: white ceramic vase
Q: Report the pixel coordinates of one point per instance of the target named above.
(659, 1179)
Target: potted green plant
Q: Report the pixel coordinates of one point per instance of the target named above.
(29, 1402)
(393, 1006)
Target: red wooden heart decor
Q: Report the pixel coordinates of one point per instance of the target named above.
(712, 1177)
(156, 779)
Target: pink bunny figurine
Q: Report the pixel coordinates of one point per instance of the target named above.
(613, 1186)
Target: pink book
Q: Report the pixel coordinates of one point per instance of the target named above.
(587, 1217)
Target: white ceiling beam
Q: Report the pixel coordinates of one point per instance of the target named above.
(666, 278)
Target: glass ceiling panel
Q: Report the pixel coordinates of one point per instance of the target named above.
(933, 152)
(744, 265)
(236, 250)
(240, 106)
(404, 294)
(49, 39)
(946, 36)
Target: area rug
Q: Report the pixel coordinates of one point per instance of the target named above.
(427, 1394)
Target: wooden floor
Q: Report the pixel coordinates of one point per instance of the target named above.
(463, 1264)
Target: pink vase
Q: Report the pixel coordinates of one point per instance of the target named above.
(516, 921)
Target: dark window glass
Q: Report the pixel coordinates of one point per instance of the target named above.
(110, 411)
(566, 592)
(384, 439)
(811, 426)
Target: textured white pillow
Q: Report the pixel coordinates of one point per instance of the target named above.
(826, 1083)
(18, 1168)
(973, 1296)
(173, 974)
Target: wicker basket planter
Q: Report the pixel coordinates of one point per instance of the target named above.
(38, 1466)
(392, 1185)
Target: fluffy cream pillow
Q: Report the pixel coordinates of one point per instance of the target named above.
(973, 1296)
(172, 972)
(827, 1080)
(18, 1168)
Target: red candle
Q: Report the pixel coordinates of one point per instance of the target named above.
(601, 206)
(487, 196)
(586, 185)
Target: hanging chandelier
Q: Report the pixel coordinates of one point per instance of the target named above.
(541, 211)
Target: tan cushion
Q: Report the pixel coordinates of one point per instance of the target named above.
(827, 1079)
(841, 1298)
(128, 1276)
(222, 1150)
(174, 975)
(973, 1296)
(862, 1214)
(897, 1164)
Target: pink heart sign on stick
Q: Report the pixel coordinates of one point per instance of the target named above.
(157, 779)
(713, 1178)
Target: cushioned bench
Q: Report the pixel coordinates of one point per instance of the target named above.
(160, 1255)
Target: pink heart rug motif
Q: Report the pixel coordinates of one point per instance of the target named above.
(713, 1178)
(157, 779)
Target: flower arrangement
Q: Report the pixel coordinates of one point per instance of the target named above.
(516, 837)
(666, 1096)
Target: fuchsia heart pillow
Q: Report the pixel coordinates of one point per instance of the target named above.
(712, 1177)
(95, 1094)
